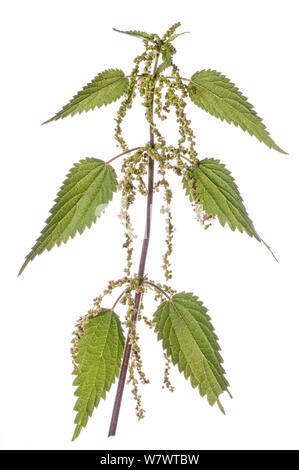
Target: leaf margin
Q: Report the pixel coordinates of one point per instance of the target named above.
(116, 366)
(66, 110)
(176, 360)
(240, 99)
(250, 230)
(66, 189)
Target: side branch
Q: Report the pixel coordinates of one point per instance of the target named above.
(123, 153)
(157, 288)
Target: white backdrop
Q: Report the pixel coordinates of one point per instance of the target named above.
(51, 49)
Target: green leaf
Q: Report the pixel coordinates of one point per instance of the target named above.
(167, 54)
(98, 359)
(211, 185)
(172, 38)
(216, 94)
(81, 200)
(188, 337)
(137, 34)
(105, 88)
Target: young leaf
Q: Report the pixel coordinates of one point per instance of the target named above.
(105, 88)
(82, 198)
(167, 53)
(211, 185)
(172, 38)
(98, 359)
(216, 94)
(188, 337)
(136, 34)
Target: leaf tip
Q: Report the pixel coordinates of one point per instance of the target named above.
(269, 248)
(22, 268)
(280, 150)
(47, 122)
(76, 432)
(220, 406)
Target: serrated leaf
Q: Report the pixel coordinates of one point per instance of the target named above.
(105, 88)
(215, 189)
(167, 54)
(137, 34)
(216, 94)
(81, 200)
(100, 350)
(189, 339)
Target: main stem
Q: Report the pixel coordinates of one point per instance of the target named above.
(128, 346)
(143, 256)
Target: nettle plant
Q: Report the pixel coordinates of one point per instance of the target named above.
(100, 352)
